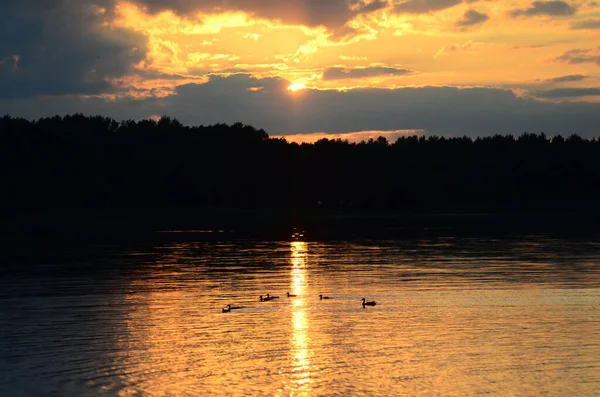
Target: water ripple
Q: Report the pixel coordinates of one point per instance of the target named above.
(455, 317)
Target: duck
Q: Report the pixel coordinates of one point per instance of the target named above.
(229, 308)
(321, 297)
(370, 303)
(264, 299)
(269, 297)
(290, 295)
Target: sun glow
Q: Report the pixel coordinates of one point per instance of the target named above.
(296, 87)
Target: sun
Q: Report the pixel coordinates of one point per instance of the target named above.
(296, 87)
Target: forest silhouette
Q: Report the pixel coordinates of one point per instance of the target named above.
(96, 162)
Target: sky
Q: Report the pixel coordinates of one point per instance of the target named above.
(308, 69)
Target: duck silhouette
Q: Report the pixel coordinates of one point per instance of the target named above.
(321, 297)
(370, 303)
(272, 297)
(290, 295)
(229, 308)
(265, 299)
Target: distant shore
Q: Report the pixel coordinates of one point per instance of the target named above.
(160, 223)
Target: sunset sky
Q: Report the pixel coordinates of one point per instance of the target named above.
(445, 67)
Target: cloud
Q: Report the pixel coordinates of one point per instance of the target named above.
(330, 13)
(470, 46)
(530, 46)
(439, 110)
(550, 8)
(424, 6)
(569, 92)
(586, 24)
(376, 5)
(472, 17)
(62, 47)
(358, 73)
(567, 78)
(352, 58)
(580, 55)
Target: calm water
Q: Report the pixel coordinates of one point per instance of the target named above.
(454, 317)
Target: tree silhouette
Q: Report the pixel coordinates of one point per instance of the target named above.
(96, 162)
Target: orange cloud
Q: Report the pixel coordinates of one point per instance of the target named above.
(371, 48)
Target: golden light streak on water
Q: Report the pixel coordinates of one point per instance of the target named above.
(300, 354)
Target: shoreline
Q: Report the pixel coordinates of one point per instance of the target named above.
(144, 223)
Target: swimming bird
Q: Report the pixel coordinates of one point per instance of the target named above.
(264, 299)
(321, 297)
(370, 303)
(229, 308)
(290, 295)
(269, 297)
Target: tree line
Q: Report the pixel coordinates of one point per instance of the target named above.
(96, 162)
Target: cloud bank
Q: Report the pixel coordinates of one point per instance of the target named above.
(61, 47)
(330, 13)
(437, 110)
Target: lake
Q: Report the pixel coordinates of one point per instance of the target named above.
(514, 314)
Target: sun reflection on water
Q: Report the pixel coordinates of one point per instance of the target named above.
(300, 352)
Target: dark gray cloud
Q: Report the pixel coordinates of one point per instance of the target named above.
(586, 24)
(555, 8)
(569, 92)
(472, 17)
(567, 78)
(59, 47)
(330, 13)
(373, 6)
(439, 110)
(580, 55)
(358, 73)
(423, 6)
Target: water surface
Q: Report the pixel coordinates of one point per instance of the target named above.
(455, 316)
